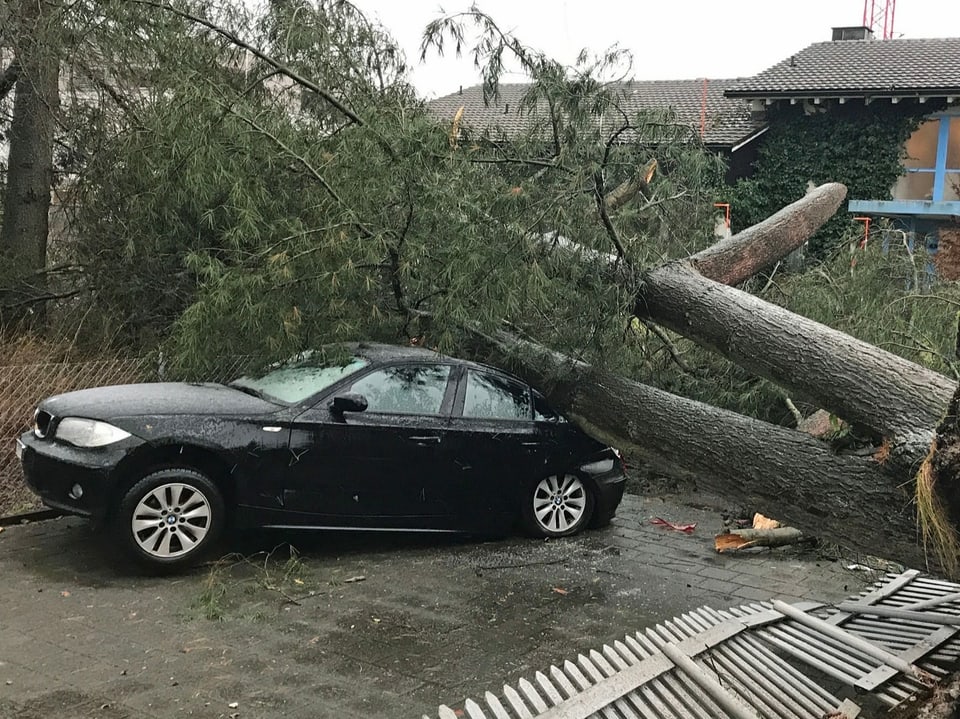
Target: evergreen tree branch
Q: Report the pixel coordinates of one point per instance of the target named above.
(669, 344)
(307, 165)
(600, 195)
(545, 164)
(605, 217)
(40, 299)
(276, 64)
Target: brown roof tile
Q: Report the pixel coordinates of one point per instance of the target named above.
(727, 121)
(859, 68)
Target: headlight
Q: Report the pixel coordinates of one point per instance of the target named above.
(88, 432)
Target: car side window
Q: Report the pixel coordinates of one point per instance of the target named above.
(543, 412)
(491, 397)
(404, 389)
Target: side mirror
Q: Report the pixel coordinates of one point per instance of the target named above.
(348, 403)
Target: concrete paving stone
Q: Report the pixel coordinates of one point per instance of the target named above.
(24, 680)
(721, 573)
(636, 535)
(683, 566)
(719, 591)
(771, 580)
(750, 564)
(753, 594)
(626, 543)
(435, 620)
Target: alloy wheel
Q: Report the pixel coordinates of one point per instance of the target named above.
(560, 503)
(171, 520)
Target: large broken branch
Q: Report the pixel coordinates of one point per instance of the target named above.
(735, 259)
(630, 188)
(740, 256)
(737, 539)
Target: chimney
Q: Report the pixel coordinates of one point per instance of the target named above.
(858, 32)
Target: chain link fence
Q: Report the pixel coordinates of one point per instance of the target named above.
(23, 386)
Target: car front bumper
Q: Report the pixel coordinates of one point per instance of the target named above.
(610, 479)
(54, 471)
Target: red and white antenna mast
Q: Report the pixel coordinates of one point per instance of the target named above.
(878, 15)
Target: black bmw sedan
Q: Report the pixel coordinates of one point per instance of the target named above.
(384, 438)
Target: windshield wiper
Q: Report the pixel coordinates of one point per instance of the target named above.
(247, 390)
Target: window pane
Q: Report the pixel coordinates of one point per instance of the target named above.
(406, 389)
(953, 145)
(543, 412)
(914, 186)
(951, 186)
(492, 397)
(921, 148)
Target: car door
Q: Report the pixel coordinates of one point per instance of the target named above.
(373, 468)
(494, 445)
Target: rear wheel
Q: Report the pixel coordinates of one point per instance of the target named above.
(170, 518)
(558, 505)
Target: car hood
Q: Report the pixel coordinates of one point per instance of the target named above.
(157, 398)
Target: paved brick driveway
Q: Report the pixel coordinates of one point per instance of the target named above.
(353, 626)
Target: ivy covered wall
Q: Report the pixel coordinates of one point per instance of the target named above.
(856, 144)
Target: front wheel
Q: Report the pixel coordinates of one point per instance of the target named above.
(170, 518)
(558, 505)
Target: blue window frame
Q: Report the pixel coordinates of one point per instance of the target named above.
(946, 166)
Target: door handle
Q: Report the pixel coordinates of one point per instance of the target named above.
(424, 440)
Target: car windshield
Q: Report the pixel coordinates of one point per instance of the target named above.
(293, 383)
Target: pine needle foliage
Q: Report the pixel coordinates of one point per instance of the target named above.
(242, 213)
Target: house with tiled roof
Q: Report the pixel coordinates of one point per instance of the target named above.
(856, 69)
(724, 125)
(850, 74)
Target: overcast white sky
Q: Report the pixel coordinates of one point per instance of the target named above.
(670, 39)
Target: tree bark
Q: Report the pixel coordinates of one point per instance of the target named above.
(23, 235)
(783, 473)
(853, 379)
(741, 256)
(8, 78)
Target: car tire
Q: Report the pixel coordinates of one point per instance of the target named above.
(558, 505)
(170, 518)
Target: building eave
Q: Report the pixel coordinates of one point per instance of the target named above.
(906, 208)
(951, 94)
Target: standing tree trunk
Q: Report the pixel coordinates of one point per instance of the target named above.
(26, 207)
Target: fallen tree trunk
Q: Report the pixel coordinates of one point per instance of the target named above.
(741, 256)
(858, 501)
(850, 499)
(853, 379)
